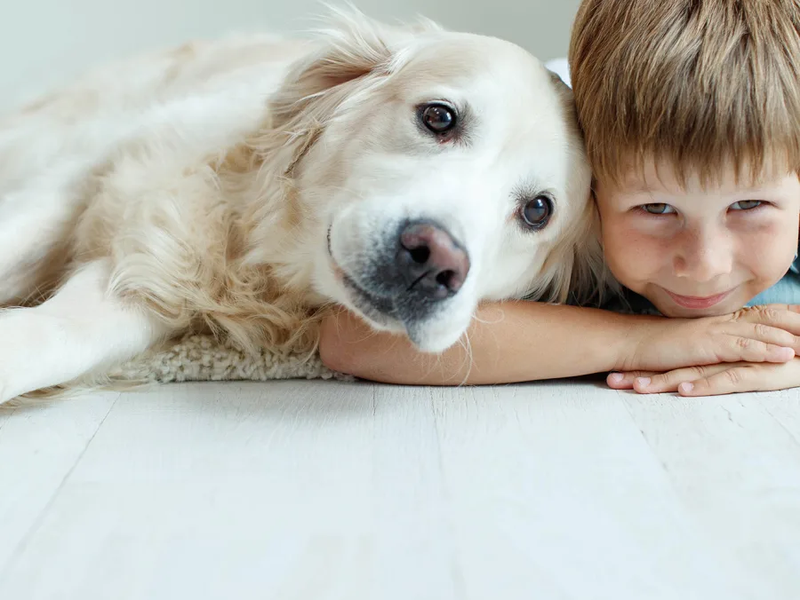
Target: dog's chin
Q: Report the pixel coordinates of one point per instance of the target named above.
(378, 312)
(381, 314)
(432, 344)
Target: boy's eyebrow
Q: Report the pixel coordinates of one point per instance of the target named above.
(635, 185)
(639, 187)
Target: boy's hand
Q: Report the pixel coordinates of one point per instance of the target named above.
(712, 380)
(764, 334)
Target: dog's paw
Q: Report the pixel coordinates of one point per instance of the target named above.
(7, 390)
(4, 396)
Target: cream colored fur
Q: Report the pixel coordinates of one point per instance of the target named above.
(198, 190)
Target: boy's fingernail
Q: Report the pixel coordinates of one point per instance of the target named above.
(616, 377)
(686, 388)
(643, 381)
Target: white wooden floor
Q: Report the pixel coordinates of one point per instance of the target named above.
(324, 490)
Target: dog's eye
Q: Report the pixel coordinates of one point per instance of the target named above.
(438, 118)
(536, 212)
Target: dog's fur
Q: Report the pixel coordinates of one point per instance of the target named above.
(238, 185)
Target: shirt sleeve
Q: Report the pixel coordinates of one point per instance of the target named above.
(786, 291)
(560, 67)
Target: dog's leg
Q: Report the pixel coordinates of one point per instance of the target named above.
(81, 328)
(33, 243)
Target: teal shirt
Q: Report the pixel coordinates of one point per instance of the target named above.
(786, 291)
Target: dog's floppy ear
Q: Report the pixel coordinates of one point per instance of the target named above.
(352, 47)
(353, 53)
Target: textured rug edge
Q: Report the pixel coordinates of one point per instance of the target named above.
(198, 357)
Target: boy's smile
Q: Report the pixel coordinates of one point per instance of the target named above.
(700, 302)
(699, 250)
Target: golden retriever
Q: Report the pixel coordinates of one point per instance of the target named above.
(243, 185)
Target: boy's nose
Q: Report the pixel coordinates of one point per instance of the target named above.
(703, 256)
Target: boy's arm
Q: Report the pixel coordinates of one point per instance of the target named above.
(518, 341)
(508, 342)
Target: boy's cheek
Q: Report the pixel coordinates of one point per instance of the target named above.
(628, 253)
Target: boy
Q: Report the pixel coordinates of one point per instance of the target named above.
(691, 114)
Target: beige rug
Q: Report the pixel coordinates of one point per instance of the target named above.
(202, 358)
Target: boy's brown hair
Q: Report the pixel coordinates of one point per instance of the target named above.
(699, 84)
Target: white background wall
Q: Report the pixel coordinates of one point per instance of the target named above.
(44, 42)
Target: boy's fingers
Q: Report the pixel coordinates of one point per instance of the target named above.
(782, 316)
(669, 382)
(795, 308)
(624, 381)
(728, 381)
(767, 344)
(778, 331)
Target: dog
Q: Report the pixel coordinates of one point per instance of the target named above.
(242, 186)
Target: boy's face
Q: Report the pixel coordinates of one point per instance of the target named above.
(699, 251)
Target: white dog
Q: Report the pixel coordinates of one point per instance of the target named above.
(242, 185)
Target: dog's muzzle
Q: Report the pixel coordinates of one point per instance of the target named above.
(413, 274)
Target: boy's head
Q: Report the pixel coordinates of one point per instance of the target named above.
(691, 114)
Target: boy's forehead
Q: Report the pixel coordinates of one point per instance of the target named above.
(641, 177)
(649, 175)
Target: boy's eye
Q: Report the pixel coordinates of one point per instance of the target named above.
(658, 209)
(746, 205)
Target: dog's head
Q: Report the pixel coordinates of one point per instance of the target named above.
(439, 169)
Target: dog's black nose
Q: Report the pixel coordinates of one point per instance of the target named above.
(430, 261)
